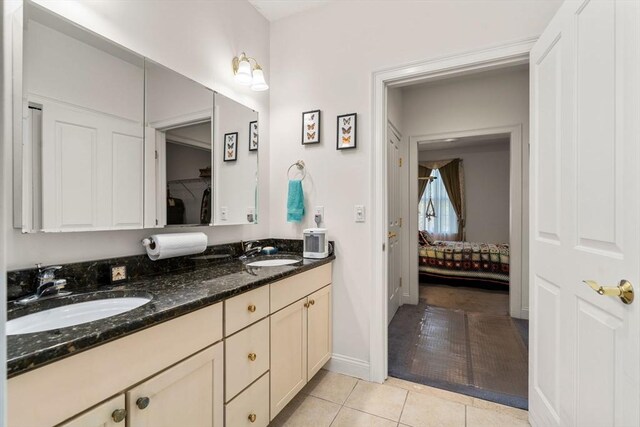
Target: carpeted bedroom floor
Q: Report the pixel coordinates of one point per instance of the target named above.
(463, 340)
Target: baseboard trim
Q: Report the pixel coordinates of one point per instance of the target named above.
(349, 366)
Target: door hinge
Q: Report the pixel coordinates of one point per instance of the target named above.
(400, 222)
(156, 154)
(400, 282)
(400, 162)
(156, 221)
(384, 246)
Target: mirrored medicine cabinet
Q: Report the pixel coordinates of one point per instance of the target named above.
(106, 139)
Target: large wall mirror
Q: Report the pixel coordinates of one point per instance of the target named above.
(82, 129)
(105, 139)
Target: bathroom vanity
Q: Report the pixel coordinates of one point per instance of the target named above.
(224, 344)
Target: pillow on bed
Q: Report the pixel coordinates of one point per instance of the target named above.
(425, 238)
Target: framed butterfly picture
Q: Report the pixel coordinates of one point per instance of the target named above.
(311, 127)
(230, 147)
(253, 136)
(347, 131)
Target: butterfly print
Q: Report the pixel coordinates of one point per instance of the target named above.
(346, 121)
(230, 138)
(346, 139)
(346, 130)
(230, 146)
(255, 135)
(229, 153)
(311, 135)
(312, 117)
(311, 126)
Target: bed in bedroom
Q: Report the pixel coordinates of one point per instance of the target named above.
(463, 263)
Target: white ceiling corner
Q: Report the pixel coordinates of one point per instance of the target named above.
(278, 9)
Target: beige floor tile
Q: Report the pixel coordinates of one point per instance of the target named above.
(514, 412)
(377, 399)
(419, 388)
(304, 411)
(348, 417)
(478, 417)
(423, 410)
(330, 386)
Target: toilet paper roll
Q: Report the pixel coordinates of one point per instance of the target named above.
(161, 246)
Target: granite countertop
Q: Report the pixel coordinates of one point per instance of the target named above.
(174, 294)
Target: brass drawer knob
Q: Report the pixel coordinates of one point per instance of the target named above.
(252, 357)
(312, 301)
(306, 305)
(119, 415)
(252, 418)
(143, 402)
(251, 308)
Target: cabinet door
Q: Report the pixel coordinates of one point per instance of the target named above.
(188, 394)
(104, 415)
(319, 330)
(288, 354)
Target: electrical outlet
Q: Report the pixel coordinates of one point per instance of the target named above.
(224, 211)
(359, 214)
(251, 214)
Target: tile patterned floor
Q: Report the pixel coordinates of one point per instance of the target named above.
(337, 400)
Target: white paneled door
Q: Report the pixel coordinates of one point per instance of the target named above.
(585, 215)
(395, 222)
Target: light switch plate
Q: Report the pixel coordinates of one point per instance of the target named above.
(359, 214)
(319, 210)
(223, 213)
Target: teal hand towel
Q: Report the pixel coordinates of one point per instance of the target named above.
(295, 201)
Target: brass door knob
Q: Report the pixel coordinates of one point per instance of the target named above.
(251, 308)
(312, 301)
(252, 418)
(252, 357)
(119, 415)
(306, 305)
(624, 290)
(143, 402)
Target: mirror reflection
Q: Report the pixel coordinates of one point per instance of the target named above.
(236, 146)
(82, 130)
(179, 123)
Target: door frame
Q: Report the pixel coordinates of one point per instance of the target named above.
(518, 274)
(504, 55)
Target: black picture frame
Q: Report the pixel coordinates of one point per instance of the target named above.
(253, 138)
(309, 119)
(226, 149)
(350, 131)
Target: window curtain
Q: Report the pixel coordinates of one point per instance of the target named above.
(453, 180)
(423, 172)
(445, 224)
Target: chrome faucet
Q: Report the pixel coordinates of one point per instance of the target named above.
(48, 285)
(250, 250)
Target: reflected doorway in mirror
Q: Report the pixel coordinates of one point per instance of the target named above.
(230, 147)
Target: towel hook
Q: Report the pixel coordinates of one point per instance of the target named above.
(301, 167)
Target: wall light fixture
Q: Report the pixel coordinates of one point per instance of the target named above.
(249, 75)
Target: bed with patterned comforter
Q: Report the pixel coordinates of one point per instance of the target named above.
(465, 260)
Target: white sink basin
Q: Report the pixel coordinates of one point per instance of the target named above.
(272, 262)
(73, 314)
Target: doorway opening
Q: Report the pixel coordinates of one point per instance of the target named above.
(456, 295)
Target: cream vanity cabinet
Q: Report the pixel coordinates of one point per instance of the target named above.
(300, 332)
(167, 375)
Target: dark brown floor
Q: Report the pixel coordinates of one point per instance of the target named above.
(463, 340)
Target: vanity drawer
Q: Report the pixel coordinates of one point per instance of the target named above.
(247, 357)
(253, 403)
(245, 309)
(292, 289)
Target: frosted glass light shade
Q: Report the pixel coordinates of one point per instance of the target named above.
(243, 76)
(259, 83)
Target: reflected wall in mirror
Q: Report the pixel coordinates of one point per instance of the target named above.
(79, 147)
(236, 181)
(179, 129)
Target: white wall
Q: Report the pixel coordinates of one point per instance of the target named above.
(486, 178)
(324, 58)
(197, 39)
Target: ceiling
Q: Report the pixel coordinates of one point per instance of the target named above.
(465, 142)
(278, 9)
